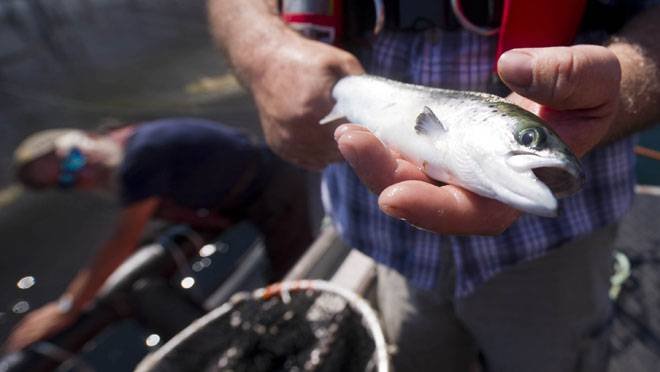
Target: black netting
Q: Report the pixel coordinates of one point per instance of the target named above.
(304, 330)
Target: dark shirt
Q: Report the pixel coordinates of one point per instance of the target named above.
(192, 163)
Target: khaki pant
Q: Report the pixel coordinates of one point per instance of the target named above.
(549, 314)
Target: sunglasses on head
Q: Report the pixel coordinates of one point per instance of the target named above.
(70, 167)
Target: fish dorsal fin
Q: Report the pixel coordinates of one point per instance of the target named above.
(428, 123)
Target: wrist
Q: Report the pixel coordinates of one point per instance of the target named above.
(640, 87)
(254, 59)
(67, 305)
(247, 48)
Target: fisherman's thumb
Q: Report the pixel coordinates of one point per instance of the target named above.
(563, 78)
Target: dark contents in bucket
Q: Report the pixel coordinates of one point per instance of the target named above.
(312, 331)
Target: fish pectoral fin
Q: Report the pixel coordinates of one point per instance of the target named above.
(334, 115)
(427, 123)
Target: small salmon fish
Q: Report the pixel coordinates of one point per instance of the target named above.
(477, 141)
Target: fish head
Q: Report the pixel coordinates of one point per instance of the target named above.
(532, 166)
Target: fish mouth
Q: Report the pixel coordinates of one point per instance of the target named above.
(563, 174)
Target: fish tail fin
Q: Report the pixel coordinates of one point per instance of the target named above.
(334, 115)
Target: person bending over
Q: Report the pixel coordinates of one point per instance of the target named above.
(182, 170)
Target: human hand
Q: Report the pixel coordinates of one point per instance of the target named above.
(39, 325)
(576, 89)
(293, 92)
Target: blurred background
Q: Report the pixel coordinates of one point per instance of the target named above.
(78, 63)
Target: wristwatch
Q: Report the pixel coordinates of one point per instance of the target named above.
(65, 304)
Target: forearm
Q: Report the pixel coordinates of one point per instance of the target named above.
(89, 280)
(247, 31)
(289, 76)
(638, 48)
(52, 317)
(112, 253)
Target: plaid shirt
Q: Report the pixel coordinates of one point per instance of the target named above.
(464, 60)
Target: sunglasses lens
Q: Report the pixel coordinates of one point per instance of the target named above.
(74, 161)
(70, 166)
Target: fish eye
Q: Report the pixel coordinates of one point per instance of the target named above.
(532, 137)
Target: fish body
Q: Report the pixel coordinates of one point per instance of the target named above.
(474, 140)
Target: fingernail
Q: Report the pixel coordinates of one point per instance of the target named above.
(385, 202)
(515, 68)
(391, 211)
(340, 131)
